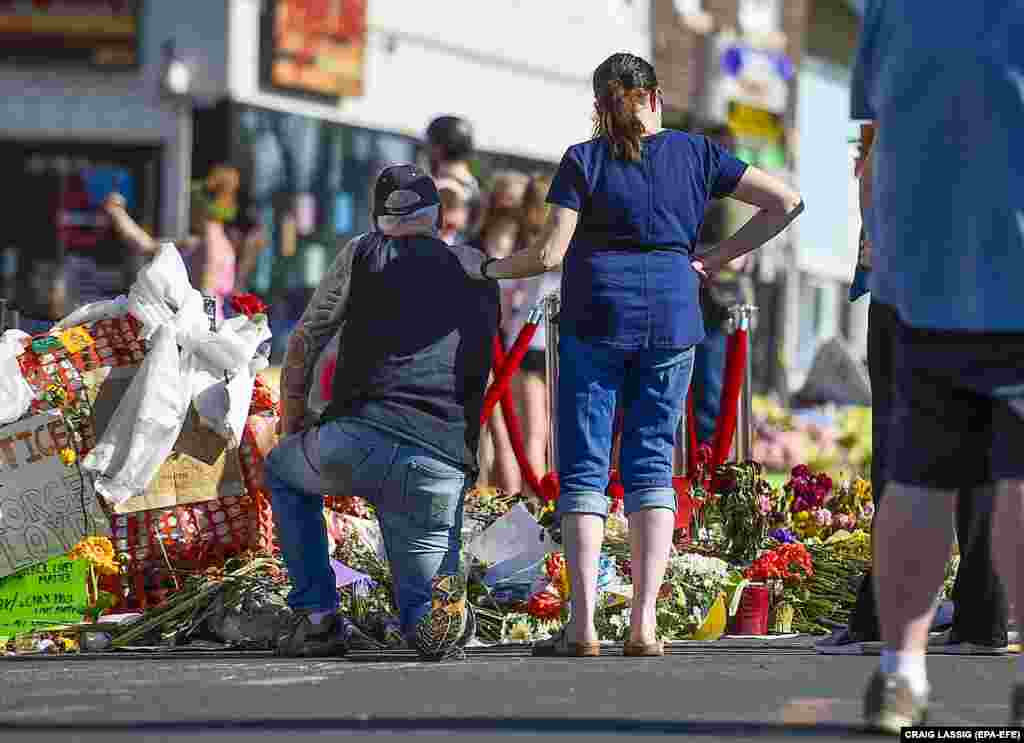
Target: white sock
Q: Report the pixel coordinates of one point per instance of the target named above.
(909, 666)
(316, 617)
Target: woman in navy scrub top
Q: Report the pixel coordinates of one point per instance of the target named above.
(626, 209)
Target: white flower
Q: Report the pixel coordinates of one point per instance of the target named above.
(699, 567)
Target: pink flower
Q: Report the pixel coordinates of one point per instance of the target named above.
(845, 521)
(823, 516)
(764, 504)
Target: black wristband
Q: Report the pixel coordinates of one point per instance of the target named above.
(484, 265)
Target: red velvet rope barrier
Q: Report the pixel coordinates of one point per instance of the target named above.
(548, 486)
(515, 431)
(503, 374)
(735, 364)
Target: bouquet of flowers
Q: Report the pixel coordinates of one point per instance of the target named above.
(745, 507)
(807, 495)
(788, 568)
(693, 583)
(99, 553)
(852, 507)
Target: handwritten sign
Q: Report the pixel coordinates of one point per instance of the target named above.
(200, 468)
(46, 508)
(53, 592)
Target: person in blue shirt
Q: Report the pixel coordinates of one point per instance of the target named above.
(948, 251)
(979, 622)
(626, 209)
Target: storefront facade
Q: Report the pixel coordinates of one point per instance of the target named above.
(734, 62)
(310, 144)
(83, 115)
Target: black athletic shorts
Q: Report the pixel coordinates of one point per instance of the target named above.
(958, 405)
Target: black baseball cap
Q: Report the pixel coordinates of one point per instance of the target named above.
(402, 190)
(453, 134)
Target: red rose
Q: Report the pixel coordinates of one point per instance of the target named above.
(549, 487)
(554, 564)
(616, 492)
(248, 304)
(544, 605)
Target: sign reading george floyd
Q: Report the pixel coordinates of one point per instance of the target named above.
(104, 33)
(316, 47)
(46, 508)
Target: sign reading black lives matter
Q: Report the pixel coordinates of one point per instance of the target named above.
(46, 508)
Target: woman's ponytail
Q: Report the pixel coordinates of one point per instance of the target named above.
(622, 84)
(616, 119)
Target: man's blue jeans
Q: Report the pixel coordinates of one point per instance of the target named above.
(708, 380)
(418, 497)
(651, 385)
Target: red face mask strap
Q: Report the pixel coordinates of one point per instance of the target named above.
(654, 100)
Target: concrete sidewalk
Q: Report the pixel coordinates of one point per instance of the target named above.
(726, 694)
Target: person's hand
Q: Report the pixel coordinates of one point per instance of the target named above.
(471, 259)
(704, 268)
(114, 203)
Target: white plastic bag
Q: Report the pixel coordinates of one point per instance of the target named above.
(223, 376)
(162, 295)
(145, 426)
(188, 365)
(15, 393)
(516, 535)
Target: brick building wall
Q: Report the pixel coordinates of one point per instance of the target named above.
(680, 45)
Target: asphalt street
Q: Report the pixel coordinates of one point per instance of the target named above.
(729, 692)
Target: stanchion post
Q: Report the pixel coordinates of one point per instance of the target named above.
(552, 305)
(679, 458)
(742, 319)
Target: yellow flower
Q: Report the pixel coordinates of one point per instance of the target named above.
(562, 583)
(99, 551)
(68, 457)
(519, 632)
(57, 394)
(862, 490)
(805, 524)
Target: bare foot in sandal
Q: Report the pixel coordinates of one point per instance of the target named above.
(560, 646)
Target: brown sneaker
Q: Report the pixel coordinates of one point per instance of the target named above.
(303, 638)
(890, 705)
(1017, 707)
